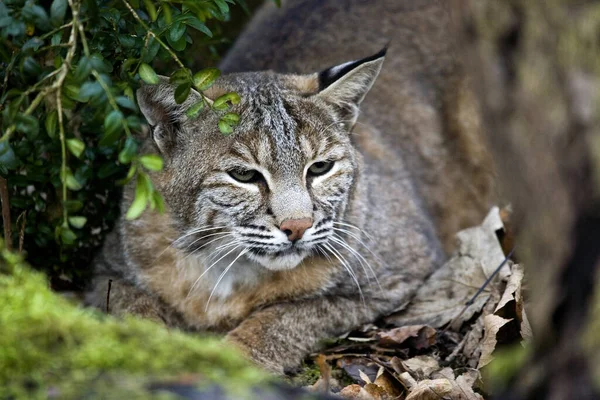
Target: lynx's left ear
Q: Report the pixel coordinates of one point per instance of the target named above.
(346, 85)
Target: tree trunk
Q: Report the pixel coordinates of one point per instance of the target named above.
(535, 68)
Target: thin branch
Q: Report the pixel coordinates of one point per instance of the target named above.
(108, 296)
(6, 214)
(23, 218)
(143, 24)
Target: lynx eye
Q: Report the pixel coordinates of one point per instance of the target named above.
(247, 176)
(320, 168)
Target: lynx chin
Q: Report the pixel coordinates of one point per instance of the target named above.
(333, 200)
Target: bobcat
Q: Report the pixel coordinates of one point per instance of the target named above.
(310, 219)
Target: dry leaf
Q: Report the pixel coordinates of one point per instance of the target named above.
(355, 392)
(445, 293)
(431, 390)
(407, 380)
(492, 324)
(377, 392)
(389, 384)
(421, 366)
(415, 336)
(514, 293)
(435, 389)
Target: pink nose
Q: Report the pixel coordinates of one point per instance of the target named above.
(295, 228)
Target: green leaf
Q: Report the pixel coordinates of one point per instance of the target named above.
(151, 50)
(176, 31)
(51, 124)
(195, 109)
(71, 182)
(179, 44)
(225, 128)
(148, 75)
(28, 124)
(152, 162)
(83, 70)
(205, 78)
(126, 102)
(167, 12)
(151, 9)
(231, 118)
(130, 173)
(58, 9)
(73, 205)
(89, 90)
(67, 236)
(76, 147)
(182, 92)
(8, 158)
(157, 202)
(181, 76)
(77, 222)
(140, 201)
(223, 7)
(129, 150)
(223, 102)
(113, 123)
(198, 25)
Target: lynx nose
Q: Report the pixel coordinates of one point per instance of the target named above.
(295, 228)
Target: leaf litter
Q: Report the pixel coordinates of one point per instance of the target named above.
(436, 346)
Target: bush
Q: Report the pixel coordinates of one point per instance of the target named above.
(68, 73)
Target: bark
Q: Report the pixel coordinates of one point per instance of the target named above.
(535, 66)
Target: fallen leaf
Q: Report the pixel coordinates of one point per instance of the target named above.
(389, 385)
(443, 296)
(416, 336)
(492, 324)
(355, 392)
(435, 389)
(407, 380)
(431, 390)
(377, 392)
(514, 292)
(421, 366)
(355, 367)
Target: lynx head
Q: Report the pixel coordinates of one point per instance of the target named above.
(272, 190)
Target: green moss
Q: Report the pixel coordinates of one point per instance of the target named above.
(308, 375)
(48, 344)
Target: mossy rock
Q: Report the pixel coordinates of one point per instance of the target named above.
(50, 347)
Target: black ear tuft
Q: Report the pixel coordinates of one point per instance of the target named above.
(332, 74)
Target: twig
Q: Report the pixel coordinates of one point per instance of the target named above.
(23, 218)
(481, 289)
(6, 214)
(143, 24)
(108, 296)
(7, 73)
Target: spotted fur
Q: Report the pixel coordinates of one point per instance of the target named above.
(407, 171)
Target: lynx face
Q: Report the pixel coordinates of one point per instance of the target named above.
(273, 190)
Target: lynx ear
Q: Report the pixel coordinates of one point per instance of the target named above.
(157, 103)
(346, 85)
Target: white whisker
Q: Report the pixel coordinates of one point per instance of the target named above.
(198, 230)
(362, 243)
(348, 269)
(355, 227)
(222, 275)
(209, 268)
(338, 239)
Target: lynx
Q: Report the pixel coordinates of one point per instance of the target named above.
(333, 200)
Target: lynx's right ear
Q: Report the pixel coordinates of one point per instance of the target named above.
(165, 116)
(346, 85)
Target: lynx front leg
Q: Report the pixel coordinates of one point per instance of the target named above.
(279, 337)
